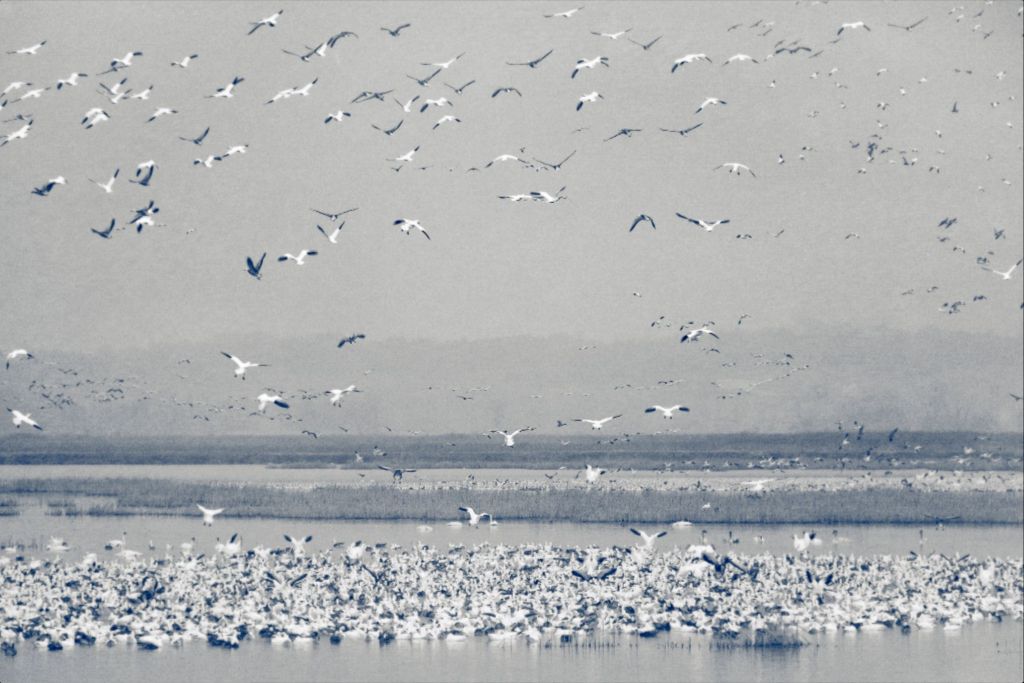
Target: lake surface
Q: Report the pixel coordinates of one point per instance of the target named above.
(34, 527)
(981, 651)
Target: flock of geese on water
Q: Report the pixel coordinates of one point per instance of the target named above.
(531, 592)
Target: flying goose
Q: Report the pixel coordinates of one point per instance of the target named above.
(406, 224)
(333, 237)
(242, 365)
(642, 218)
(474, 516)
(209, 514)
(298, 544)
(91, 118)
(19, 418)
(185, 61)
(393, 32)
(648, 539)
(266, 399)
(270, 21)
(227, 90)
(71, 80)
(334, 216)
(689, 59)
(510, 437)
(667, 412)
(300, 259)
(589, 97)
(32, 50)
(105, 234)
(47, 187)
(533, 63)
(588, 64)
(16, 354)
(396, 472)
(336, 394)
(696, 333)
(708, 102)
(704, 224)
(597, 424)
(1007, 274)
(254, 268)
(594, 473)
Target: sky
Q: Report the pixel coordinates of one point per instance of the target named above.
(839, 246)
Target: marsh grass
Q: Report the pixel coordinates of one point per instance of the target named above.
(127, 496)
(774, 636)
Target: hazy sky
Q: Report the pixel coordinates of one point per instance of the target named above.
(495, 268)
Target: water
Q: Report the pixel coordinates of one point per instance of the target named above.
(34, 528)
(978, 652)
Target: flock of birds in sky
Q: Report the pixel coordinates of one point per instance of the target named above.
(118, 92)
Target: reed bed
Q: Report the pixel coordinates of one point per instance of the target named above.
(129, 496)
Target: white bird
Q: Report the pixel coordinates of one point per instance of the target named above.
(697, 333)
(304, 90)
(336, 394)
(266, 399)
(740, 58)
(27, 50)
(338, 116)
(300, 259)
(208, 161)
(16, 354)
(851, 26)
(406, 224)
(270, 21)
(124, 62)
(588, 64)
(1007, 274)
(589, 97)
(446, 119)
(689, 59)
(407, 107)
(161, 111)
(474, 517)
(439, 102)
(71, 80)
(333, 237)
(613, 36)
(597, 424)
(708, 102)
(33, 94)
(502, 157)
(648, 539)
(142, 95)
(443, 65)
(594, 473)
(564, 15)
(510, 437)
(19, 418)
(735, 167)
(183, 64)
(19, 134)
(235, 149)
(757, 485)
(704, 224)
(108, 186)
(49, 185)
(407, 156)
(94, 116)
(667, 412)
(242, 365)
(209, 514)
(228, 90)
(298, 544)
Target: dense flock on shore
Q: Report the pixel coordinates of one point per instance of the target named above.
(533, 593)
